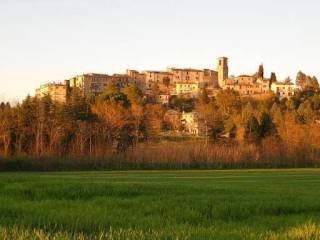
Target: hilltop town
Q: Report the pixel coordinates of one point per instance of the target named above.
(163, 86)
(173, 82)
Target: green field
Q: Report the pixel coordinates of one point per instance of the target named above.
(253, 204)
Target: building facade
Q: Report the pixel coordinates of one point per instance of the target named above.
(91, 84)
(138, 78)
(283, 89)
(206, 77)
(159, 78)
(191, 90)
(57, 92)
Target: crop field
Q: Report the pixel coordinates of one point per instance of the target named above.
(247, 204)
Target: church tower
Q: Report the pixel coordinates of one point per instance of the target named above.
(223, 71)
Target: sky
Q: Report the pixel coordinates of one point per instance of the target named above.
(51, 40)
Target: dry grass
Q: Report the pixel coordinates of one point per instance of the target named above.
(180, 155)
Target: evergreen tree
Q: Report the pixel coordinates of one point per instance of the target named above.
(314, 83)
(273, 78)
(260, 73)
(301, 79)
(247, 112)
(203, 98)
(267, 127)
(252, 130)
(305, 112)
(277, 115)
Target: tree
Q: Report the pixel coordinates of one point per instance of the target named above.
(291, 104)
(252, 130)
(247, 112)
(182, 103)
(273, 79)
(117, 122)
(307, 82)
(305, 112)
(6, 129)
(316, 102)
(134, 94)
(203, 98)
(154, 119)
(267, 127)
(301, 79)
(228, 101)
(135, 97)
(277, 115)
(260, 73)
(314, 83)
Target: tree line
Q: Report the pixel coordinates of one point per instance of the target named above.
(119, 119)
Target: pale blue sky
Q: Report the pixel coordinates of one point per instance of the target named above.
(51, 40)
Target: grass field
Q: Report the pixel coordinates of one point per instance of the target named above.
(253, 204)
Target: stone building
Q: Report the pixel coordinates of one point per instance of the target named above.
(138, 78)
(94, 83)
(123, 80)
(162, 79)
(90, 83)
(223, 71)
(191, 90)
(205, 78)
(57, 92)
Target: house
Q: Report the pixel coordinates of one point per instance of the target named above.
(283, 89)
(247, 85)
(193, 124)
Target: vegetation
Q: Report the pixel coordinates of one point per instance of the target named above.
(123, 125)
(256, 204)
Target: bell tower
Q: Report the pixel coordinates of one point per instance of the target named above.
(223, 71)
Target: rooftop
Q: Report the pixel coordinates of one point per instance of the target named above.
(283, 83)
(186, 69)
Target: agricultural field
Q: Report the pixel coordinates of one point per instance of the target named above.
(246, 204)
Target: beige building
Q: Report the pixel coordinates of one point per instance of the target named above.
(57, 92)
(191, 89)
(283, 89)
(91, 83)
(94, 84)
(124, 80)
(206, 77)
(247, 85)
